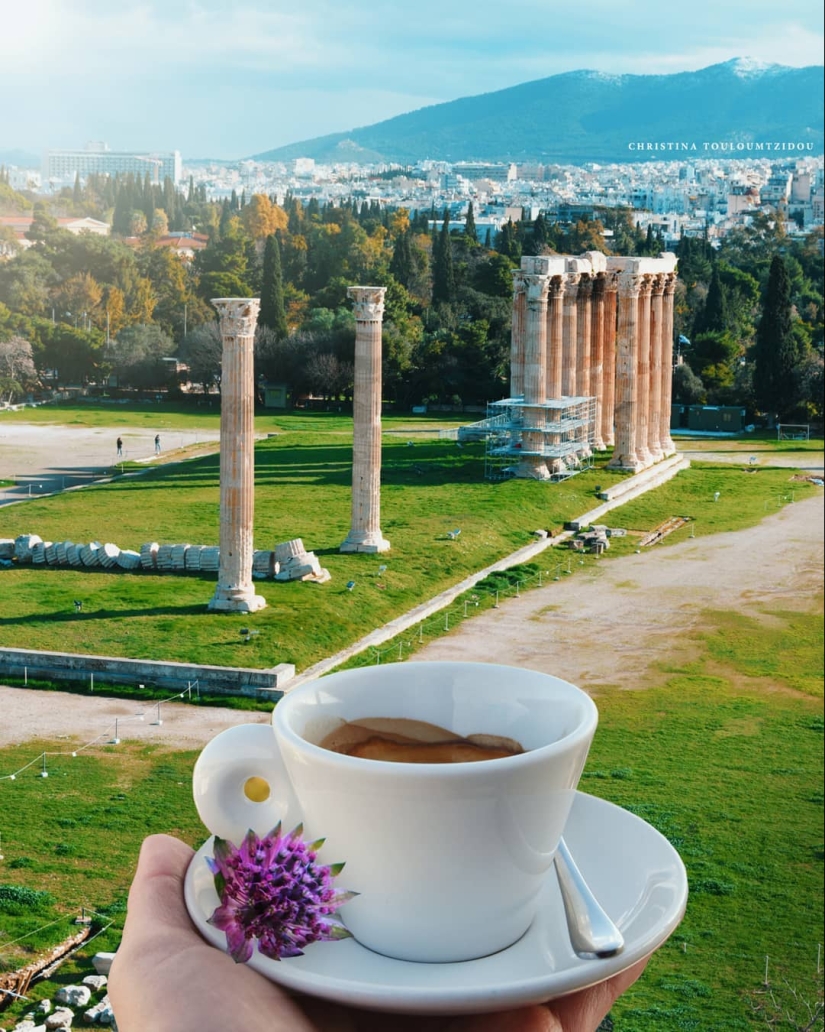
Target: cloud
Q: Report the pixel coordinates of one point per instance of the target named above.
(153, 69)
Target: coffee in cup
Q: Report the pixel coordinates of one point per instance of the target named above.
(448, 858)
(401, 740)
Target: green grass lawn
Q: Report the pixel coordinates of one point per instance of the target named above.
(725, 759)
(303, 489)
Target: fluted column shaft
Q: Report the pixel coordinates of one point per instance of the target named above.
(234, 591)
(627, 366)
(609, 373)
(570, 342)
(596, 384)
(517, 335)
(643, 453)
(532, 464)
(365, 532)
(583, 333)
(666, 441)
(654, 428)
(555, 337)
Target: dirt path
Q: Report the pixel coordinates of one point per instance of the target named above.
(614, 623)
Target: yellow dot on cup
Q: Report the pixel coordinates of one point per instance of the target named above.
(256, 790)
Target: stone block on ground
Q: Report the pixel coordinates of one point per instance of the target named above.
(95, 982)
(102, 962)
(289, 549)
(62, 1017)
(128, 559)
(149, 555)
(73, 995)
(6, 548)
(23, 546)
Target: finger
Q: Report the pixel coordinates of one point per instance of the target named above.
(156, 896)
(583, 1011)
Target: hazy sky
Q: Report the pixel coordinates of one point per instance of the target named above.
(230, 78)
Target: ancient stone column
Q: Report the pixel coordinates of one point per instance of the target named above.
(609, 366)
(627, 367)
(643, 453)
(596, 386)
(555, 337)
(569, 343)
(654, 427)
(234, 592)
(665, 440)
(583, 332)
(517, 335)
(365, 532)
(532, 463)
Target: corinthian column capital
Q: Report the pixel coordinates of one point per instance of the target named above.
(670, 283)
(368, 303)
(646, 286)
(630, 284)
(536, 286)
(238, 315)
(557, 286)
(658, 285)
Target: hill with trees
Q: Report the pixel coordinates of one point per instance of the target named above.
(586, 116)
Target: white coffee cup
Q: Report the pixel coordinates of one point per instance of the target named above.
(448, 858)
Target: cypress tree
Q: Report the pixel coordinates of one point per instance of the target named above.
(776, 351)
(443, 271)
(402, 264)
(77, 194)
(273, 312)
(488, 239)
(470, 231)
(714, 316)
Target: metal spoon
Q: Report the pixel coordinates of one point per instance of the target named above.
(592, 933)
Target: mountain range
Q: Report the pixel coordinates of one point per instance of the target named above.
(587, 116)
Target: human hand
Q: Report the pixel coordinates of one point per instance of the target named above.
(165, 977)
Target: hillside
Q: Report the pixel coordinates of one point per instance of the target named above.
(586, 116)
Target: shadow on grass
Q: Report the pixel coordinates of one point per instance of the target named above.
(110, 614)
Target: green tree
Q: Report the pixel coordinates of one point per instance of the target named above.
(470, 232)
(776, 352)
(714, 316)
(273, 313)
(402, 264)
(443, 271)
(136, 356)
(688, 389)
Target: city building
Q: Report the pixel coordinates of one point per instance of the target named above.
(60, 167)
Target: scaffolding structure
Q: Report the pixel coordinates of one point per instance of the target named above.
(561, 432)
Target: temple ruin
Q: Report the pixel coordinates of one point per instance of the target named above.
(234, 592)
(590, 366)
(365, 532)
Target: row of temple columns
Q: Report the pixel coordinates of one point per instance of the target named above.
(591, 327)
(595, 327)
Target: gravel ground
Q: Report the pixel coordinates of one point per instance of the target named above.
(47, 458)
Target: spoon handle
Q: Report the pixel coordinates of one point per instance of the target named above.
(592, 932)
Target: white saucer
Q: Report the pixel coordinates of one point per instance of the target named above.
(635, 873)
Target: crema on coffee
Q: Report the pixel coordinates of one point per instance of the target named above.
(402, 740)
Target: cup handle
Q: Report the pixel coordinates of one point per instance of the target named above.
(240, 782)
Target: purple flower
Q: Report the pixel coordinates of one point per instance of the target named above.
(272, 889)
